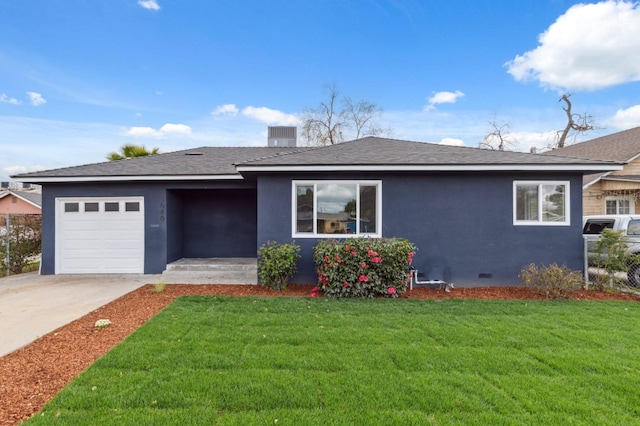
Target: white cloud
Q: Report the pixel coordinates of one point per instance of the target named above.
(443, 98)
(36, 99)
(226, 109)
(590, 47)
(451, 142)
(149, 4)
(6, 99)
(14, 170)
(181, 129)
(524, 141)
(270, 116)
(151, 133)
(142, 132)
(625, 118)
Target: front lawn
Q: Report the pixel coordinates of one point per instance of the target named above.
(293, 361)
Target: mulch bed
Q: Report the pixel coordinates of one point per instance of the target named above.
(31, 376)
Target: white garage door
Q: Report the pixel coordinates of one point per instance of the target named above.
(99, 235)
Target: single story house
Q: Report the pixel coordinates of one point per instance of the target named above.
(475, 216)
(614, 191)
(20, 202)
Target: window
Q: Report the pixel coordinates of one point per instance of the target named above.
(619, 205)
(71, 207)
(112, 207)
(328, 208)
(132, 206)
(541, 203)
(91, 207)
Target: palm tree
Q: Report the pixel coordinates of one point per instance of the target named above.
(130, 151)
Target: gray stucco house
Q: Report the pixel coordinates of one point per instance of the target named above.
(476, 216)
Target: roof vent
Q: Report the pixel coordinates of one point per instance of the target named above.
(193, 153)
(282, 136)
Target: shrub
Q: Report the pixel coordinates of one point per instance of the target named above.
(277, 264)
(25, 243)
(363, 267)
(612, 256)
(553, 281)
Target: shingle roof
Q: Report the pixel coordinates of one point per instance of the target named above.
(203, 161)
(622, 146)
(383, 151)
(230, 162)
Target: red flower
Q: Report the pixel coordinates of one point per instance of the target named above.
(313, 294)
(315, 289)
(376, 259)
(363, 265)
(336, 258)
(345, 285)
(392, 290)
(353, 253)
(363, 278)
(326, 257)
(347, 248)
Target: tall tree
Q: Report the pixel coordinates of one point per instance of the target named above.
(130, 151)
(576, 123)
(335, 120)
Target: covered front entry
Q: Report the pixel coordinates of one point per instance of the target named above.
(211, 223)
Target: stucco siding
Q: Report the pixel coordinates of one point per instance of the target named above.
(461, 224)
(10, 204)
(165, 217)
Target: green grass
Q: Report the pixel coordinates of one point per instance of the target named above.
(292, 361)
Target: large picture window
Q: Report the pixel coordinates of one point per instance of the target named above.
(331, 208)
(541, 203)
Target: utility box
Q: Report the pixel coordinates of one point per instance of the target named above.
(282, 136)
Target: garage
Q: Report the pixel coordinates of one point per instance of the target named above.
(99, 235)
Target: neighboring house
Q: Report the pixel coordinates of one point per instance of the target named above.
(20, 202)
(616, 191)
(475, 216)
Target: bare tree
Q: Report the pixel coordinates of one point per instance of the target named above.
(499, 136)
(361, 117)
(334, 121)
(576, 123)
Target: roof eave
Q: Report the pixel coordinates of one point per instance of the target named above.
(432, 167)
(151, 178)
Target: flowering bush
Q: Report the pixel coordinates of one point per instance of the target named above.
(103, 323)
(277, 263)
(363, 267)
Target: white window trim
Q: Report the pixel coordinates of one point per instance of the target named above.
(314, 183)
(540, 222)
(631, 200)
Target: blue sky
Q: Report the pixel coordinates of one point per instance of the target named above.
(80, 78)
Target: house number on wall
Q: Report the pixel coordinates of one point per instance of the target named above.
(162, 211)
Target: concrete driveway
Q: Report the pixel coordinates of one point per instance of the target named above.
(33, 305)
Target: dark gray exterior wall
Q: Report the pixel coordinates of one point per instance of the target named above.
(461, 224)
(165, 216)
(214, 223)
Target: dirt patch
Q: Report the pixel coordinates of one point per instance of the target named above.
(34, 374)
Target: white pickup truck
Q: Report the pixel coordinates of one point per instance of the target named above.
(592, 226)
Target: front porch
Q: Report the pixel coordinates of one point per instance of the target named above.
(213, 270)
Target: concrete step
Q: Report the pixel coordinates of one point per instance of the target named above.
(212, 271)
